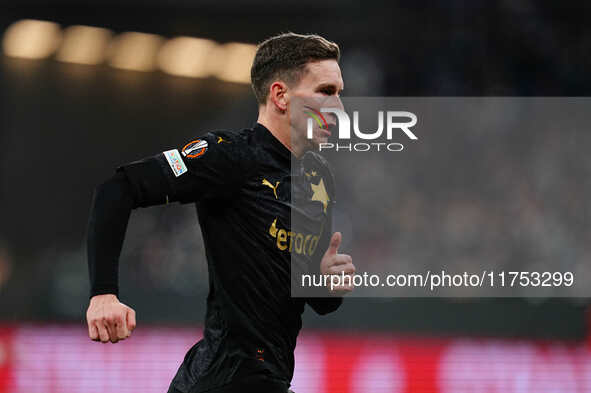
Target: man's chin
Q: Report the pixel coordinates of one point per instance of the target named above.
(317, 141)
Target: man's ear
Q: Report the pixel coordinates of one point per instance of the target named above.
(278, 95)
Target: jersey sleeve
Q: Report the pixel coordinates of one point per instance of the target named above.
(321, 301)
(209, 166)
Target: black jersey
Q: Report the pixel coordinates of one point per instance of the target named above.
(241, 183)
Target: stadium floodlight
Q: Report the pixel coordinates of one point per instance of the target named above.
(84, 45)
(186, 56)
(31, 39)
(231, 62)
(134, 51)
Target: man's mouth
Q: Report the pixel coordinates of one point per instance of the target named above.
(331, 128)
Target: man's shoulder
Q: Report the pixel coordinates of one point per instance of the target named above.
(230, 150)
(241, 135)
(233, 141)
(317, 168)
(314, 161)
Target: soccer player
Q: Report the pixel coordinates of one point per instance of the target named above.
(246, 186)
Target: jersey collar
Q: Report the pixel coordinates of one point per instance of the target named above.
(274, 143)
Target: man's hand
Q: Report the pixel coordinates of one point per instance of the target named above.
(108, 319)
(337, 264)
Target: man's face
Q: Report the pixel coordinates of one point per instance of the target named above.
(319, 87)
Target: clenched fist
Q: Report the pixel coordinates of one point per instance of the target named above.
(108, 319)
(338, 266)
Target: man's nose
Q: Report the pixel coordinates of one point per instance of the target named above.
(334, 102)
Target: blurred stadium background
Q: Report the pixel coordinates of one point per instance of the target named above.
(89, 86)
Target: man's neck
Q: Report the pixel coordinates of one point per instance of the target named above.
(279, 129)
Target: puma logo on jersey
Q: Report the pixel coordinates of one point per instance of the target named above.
(220, 140)
(268, 184)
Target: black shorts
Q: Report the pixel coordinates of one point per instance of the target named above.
(257, 383)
